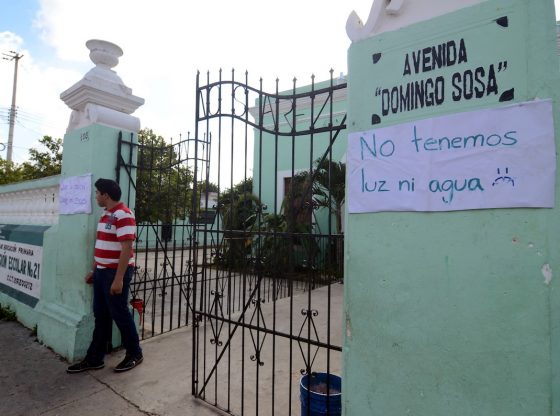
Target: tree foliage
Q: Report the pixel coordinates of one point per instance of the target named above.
(238, 207)
(297, 206)
(324, 187)
(230, 196)
(163, 181)
(42, 164)
(329, 188)
(10, 172)
(289, 232)
(39, 165)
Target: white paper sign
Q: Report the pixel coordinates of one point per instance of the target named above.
(20, 267)
(494, 158)
(75, 195)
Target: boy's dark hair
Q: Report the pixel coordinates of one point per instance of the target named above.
(109, 187)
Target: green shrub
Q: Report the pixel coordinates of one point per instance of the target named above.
(6, 314)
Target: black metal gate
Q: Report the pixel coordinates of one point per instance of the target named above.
(267, 293)
(159, 183)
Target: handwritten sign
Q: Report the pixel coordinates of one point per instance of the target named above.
(75, 195)
(493, 158)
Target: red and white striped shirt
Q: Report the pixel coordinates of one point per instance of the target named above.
(116, 225)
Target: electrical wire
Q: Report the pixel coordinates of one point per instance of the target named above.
(19, 123)
(34, 118)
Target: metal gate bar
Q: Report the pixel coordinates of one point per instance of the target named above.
(163, 280)
(234, 277)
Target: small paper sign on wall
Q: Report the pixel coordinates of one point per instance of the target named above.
(494, 158)
(75, 195)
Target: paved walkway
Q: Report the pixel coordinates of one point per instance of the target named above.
(33, 380)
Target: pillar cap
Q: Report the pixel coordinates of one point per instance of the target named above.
(389, 15)
(102, 52)
(100, 88)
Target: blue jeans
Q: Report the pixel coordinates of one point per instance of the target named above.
(108, 308)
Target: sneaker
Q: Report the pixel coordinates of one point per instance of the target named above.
(84, 365)
(129, 363)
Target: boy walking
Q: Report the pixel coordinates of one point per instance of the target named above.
(111, 275)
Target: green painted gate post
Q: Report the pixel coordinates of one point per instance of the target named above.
(451, 313)
(101, 106)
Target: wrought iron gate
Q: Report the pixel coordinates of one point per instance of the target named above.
(159, 182)
(267, 271)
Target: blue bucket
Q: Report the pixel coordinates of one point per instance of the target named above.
(314, 398)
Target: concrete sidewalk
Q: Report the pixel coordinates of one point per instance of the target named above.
(33, 380)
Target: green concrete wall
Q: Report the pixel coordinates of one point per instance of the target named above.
(26, 311)
(278, 155)
(452, 313)
(63, 315)
(33, 184)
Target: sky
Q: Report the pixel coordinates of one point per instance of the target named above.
(165, 43)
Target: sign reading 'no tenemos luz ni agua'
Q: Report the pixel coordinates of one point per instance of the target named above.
(493, 158)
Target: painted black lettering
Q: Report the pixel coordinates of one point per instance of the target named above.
(492, 86)
(426, 59)
(480, 88)
(406, 66)
(456, 82)
(462, 52)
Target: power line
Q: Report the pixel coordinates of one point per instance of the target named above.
(12, 56)
(35, 118)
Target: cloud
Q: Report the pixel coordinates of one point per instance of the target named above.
(10, 41)
(39, 110)
(166, 42)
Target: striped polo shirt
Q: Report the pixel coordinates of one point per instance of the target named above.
(116, 225)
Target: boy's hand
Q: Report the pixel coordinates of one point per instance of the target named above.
(116, 287)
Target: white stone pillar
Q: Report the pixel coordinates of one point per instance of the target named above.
(101, 109)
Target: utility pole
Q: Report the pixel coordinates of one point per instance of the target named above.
(12, 56)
